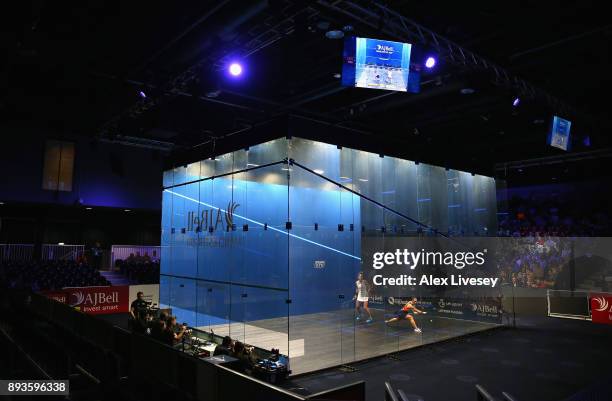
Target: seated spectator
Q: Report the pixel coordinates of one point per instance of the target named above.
(42, 275)
(225, 348)
(157, 330)
(139, 272)
(82, 259)
(242, 353)
(173, 332)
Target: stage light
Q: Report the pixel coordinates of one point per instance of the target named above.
(334, 34)
(235, 69)
(126, 210)
(430, 62)
(142, 95)
(60, 243)
(516, 102)
(88, 208)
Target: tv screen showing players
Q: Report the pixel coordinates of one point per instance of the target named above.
(376, 64)
(559, 136)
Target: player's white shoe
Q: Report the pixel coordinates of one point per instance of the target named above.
(417, 330)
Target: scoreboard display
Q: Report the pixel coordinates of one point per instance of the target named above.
(376, 64)
(559, 136)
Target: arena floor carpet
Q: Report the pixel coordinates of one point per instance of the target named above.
(544, 359)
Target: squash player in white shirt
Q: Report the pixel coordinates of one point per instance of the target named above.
(362, 290)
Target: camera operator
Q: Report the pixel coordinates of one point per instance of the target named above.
(138, 308)
(138, 314)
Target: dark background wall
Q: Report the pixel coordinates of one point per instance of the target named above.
(30, 223)
(105, 174)
(108, 178)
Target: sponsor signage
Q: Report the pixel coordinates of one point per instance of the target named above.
(94, 300)
(485, 310)
(59, 296)
(481, 310)
(99, 300)
(449, 307)
(376, 299)
(601, 308)
(212, 219)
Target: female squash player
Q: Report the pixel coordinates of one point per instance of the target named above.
(407, 312)
(362, 290)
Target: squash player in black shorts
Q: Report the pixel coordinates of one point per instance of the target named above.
(407, 313)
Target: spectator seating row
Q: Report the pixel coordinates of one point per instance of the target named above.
(41, 275)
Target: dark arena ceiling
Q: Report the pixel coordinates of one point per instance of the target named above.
(80, 67)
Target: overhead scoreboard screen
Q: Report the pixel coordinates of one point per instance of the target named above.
(376, 64)
(559, 136)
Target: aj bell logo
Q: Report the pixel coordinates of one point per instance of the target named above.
(78, 298)
(384, 49)
(602, 304)
(204, 220)
(484, 308)
(94, 298)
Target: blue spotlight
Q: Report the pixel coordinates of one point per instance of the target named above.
(430, 62)
(516, 101)
(235, 69)
(587, 141)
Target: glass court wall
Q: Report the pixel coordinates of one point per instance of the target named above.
(265, 244)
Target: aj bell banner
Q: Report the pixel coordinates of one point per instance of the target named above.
(483, 310)
(601, 308)
(95, 300)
